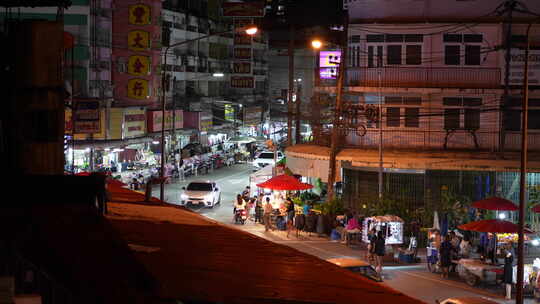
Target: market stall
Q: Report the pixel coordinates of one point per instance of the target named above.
(390, 225)
(477, 270)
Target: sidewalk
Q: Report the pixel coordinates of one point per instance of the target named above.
(332, 248)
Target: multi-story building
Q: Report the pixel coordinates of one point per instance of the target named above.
(451, 121)
(86, 62)
(199, 72)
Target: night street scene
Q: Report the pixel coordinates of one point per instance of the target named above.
(270, 151)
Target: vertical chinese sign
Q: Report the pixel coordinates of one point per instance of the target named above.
(136, 51)
(243, 14)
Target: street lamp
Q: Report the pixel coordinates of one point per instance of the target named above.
(316, 44)
(342, 64)
(250, 30)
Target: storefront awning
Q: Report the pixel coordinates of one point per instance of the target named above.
(102, 144)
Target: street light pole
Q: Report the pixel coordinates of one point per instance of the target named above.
(249, 30)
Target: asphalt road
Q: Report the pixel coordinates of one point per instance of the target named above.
(413, 280)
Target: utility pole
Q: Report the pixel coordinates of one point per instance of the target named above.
(334, 138)
(291, 87)
(510, 6)
(523, 172)
(380, 138)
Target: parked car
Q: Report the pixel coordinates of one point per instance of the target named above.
(359, 266)
(467, 300)
(205, 193)
(266, 158)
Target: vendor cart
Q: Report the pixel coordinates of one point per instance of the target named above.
(474, 271)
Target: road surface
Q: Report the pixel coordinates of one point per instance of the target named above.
(413, 280)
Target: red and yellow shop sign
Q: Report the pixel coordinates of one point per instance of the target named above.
(138, 40)
(138, 65)
(138, 88)
(140, 14)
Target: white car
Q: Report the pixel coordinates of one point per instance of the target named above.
(266, 158)
(201, 193)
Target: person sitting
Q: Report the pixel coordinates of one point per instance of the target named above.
(352, 227)
(239, 203)
(134, 185)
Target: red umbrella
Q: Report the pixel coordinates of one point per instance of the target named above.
(495, 203)
(495, 226)
(284, 182)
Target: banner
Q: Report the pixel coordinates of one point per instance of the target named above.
(329, 59)
(138, 40)
(242, 67)
(239, 9)
(140, 14)
(206, 121)
(138, 88)
(242, 53)
(517, 64)
(252, 115)
(229, 112)
(155, 120)
(242, 82)
(134, 122)
(86, 118)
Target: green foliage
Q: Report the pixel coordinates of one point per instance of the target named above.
(298, 201)
(283, 161)
(309, 196)
(455, 206)
(332, 207)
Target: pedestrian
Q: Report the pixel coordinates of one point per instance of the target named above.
(380, 244)
(134, 185)
(491, 248)
(508, 270)
(372, 237)
(258, 211)
(290, 215)
(266, 215)
(465, 248)
(445, 254)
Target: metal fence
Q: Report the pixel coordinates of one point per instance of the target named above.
(430, 140)
(424, 77)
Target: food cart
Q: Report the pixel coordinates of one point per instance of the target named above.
(390, 225)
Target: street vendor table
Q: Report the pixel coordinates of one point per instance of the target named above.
(475, 271)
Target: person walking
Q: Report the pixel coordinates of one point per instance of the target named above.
(446, 256)
(508, 270)
(290, 215)
(380, 244)
(372, 237)
(266, 215)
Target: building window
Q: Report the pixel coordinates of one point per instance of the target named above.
(451, 119)
(466, 107)
(375, 56)
(469, 44)
(410, 108)
(512, 120)
(397, 47)
(412, 117)
(451, 55)
(393, 54)
(393, 117)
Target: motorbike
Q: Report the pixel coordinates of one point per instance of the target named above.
(240, 216)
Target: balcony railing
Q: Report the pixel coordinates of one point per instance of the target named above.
(431, 140)
(423, 77)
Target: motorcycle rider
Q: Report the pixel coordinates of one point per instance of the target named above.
(239, 204)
